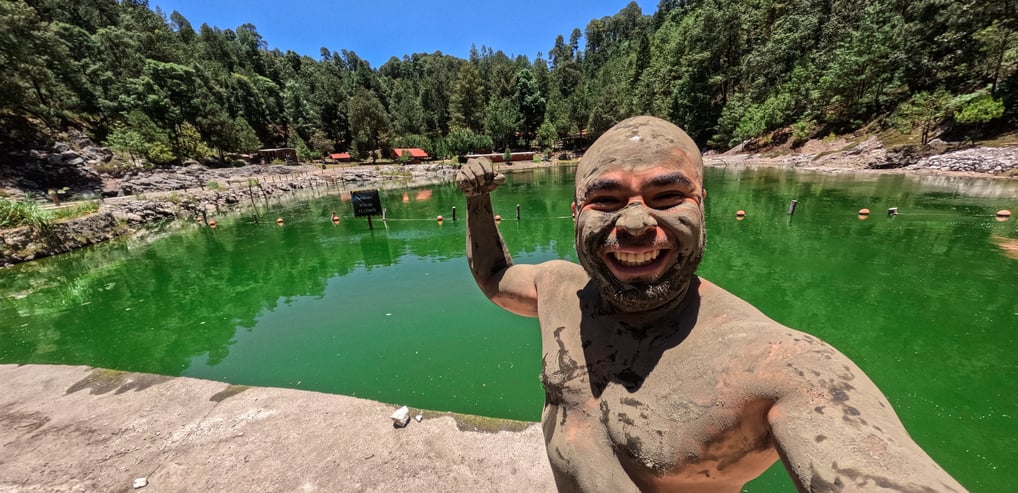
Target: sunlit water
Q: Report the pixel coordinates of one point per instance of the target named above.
(925, 301)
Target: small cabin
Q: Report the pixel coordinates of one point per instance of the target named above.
(341, 157)
(416, 155)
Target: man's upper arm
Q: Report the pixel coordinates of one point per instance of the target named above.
(515, 289)
(836, 431)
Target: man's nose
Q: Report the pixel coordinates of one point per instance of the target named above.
(635, 219)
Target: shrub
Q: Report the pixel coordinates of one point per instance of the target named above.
(78, 210)
(15, 214)
(800, 132)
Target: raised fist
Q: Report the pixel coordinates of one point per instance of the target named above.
(478, 177)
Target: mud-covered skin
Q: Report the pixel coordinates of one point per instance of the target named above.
(698, 391)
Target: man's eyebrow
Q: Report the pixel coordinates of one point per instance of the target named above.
(671, 179)
(604, 184)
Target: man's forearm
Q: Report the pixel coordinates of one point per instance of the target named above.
(486, 250)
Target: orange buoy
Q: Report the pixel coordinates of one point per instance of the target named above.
(864, 212)
(439, 218)
(335, 218)
(740, 214)
(212, 223)
(498, 218)
(1004, 213)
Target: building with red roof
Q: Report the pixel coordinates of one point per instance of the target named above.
(416, 155)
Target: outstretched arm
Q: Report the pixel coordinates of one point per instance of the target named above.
(509, 286)
(836, 431)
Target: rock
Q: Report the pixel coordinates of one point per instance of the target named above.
(25, 243)
(980, 160)
(401, 417)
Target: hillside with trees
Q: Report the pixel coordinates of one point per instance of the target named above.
(153, 86)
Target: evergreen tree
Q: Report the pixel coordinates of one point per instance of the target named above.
(467, 102)
(370, 123)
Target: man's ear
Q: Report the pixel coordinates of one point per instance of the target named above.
(704, 197)
(572, 206)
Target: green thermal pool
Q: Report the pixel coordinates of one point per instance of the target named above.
(925, 301)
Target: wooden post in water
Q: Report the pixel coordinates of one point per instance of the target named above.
(454, 213)
(250, 194)
(791, 206)
(517, 212)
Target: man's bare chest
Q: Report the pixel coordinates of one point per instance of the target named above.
(664, 405)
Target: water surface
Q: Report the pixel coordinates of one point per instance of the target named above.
(925, 301)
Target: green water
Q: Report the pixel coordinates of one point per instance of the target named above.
(925, 302)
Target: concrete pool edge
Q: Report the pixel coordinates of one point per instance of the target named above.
(77, 428)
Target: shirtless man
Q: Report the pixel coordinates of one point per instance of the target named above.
(658, 380)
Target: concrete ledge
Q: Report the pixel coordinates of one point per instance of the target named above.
(74, 428)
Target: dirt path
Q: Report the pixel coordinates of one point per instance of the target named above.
(72, 428)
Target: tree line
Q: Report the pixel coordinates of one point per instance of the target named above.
(151, 84)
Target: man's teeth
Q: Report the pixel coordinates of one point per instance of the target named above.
(636, 259)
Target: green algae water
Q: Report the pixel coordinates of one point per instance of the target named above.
(924, 301)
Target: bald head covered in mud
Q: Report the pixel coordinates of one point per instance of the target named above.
(656, 379)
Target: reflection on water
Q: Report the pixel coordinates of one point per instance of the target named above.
(1007, 245)
(924, 301)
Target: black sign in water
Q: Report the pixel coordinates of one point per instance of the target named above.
(366, 203)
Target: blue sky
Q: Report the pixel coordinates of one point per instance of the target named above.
(379, 29)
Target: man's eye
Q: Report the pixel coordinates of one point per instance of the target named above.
(667, 199)
(604, 201)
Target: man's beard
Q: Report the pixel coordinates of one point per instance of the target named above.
(637, 296)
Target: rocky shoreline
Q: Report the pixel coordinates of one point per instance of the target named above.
(199, 193)
(130, 202)
(871, 156)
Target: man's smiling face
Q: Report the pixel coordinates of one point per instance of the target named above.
(639, 213)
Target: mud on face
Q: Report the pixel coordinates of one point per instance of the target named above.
(639, 219)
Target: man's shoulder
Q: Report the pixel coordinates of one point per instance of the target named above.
(561, 271)
(740, 324)
(729, 312)
(714, 298)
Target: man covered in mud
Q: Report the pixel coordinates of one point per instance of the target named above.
(658, 380)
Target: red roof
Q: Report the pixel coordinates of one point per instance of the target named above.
(341, 155)
(414, 152)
